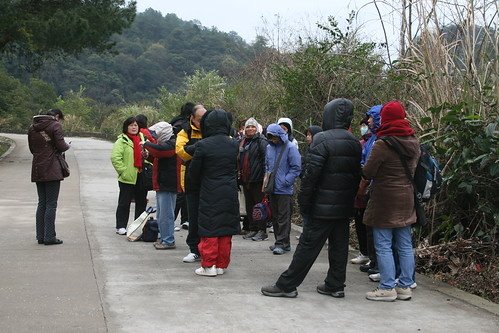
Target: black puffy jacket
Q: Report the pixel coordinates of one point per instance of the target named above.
(213, 170)
(332, 173)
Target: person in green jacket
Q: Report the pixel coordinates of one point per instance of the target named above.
(127, 158)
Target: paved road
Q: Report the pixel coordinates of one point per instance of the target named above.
(98, 282)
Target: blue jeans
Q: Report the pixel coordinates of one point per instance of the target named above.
(400, 238)
(165, 214)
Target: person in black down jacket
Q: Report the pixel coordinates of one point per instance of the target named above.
(213, 170)
(252, 149)
(327, 193)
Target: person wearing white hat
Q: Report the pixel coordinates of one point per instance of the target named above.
(251, 169)
(287, 125)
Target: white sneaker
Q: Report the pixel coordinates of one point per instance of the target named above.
(375, 277)
(207, 271)
(177, 228)
(360, 259)
(220, 271)
(185, 225)
(121, 231)
(191, 257)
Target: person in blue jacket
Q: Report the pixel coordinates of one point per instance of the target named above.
(287, 170)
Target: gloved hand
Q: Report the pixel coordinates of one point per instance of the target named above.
(190, 149)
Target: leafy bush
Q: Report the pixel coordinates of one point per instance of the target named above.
(468, 143)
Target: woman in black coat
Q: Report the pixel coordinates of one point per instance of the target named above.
(213, 171)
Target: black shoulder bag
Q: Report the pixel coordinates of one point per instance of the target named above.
(268, 186)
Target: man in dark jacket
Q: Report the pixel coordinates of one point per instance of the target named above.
(327, 193)
(46, 143)
(185, 146)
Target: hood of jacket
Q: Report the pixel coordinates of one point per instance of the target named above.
(215, 122)
(375, 113)
(286, 121)
(314, 129)
(337, 114)
(407, 145)
(276, 130)
(41, 122)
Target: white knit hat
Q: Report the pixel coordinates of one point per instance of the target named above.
(164, 131)
(251, 122)
(286, 121)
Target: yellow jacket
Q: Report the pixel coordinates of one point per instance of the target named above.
(186, 139)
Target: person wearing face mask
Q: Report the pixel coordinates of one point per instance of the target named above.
(360, 204)
(367, 258)
(365, 134)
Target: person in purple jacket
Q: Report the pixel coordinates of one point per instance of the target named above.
(286, 171)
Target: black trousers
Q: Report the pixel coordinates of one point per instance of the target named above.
(192, 208)
(360, 230)
(311, 242)
(370, 247)
(181, 206)
(253, 195)
(127, 193)
(48, 194)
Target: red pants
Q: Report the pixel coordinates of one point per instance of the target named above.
(215, 251)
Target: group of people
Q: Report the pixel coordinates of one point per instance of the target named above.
(339, 175)
(200, 159)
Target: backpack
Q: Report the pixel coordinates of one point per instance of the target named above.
(150, 231)
(428, 176)
(261, 211)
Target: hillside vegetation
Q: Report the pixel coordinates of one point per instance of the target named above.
(446, 75)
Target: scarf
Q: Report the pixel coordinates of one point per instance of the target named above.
(137, 151)
(244, 166)
(393, 122)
